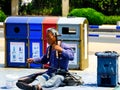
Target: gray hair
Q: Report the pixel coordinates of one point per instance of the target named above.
(53, 31)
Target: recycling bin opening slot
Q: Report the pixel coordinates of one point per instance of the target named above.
(16, 30)
(67, 30)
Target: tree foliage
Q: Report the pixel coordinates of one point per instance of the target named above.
(107, 7)
(53, 7)
(5, 5)
(2, 16)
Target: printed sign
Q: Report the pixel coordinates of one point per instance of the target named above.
(35, 50)
(17, 52)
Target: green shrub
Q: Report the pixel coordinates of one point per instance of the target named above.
(111, 19)
(94, 17)
(2, 16)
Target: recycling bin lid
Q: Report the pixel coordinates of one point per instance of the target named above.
(107, 54)
(50, 20)
(35, 20)
(71, 20)
(16, 19)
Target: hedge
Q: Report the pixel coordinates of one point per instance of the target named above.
(94, 17)
(2, 16)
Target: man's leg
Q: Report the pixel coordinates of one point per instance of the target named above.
(55, 81)
(40, 81)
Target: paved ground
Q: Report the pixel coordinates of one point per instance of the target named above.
(89, 75)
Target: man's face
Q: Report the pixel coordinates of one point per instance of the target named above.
(51, 39)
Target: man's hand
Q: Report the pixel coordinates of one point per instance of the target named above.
(30, 60)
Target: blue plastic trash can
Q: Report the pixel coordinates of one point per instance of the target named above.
(107, 68)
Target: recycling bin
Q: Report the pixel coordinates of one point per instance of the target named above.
(48, 22)
(16, 43)
(107, 68)
(74, 30)
(35, 39)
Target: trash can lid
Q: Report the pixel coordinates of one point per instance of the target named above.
(72, 20)
(107, 54)
(35, 20)
(17, 19)
(50, 20)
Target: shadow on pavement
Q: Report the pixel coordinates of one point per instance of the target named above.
(1, 65)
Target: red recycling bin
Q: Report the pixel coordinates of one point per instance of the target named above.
(48, 22)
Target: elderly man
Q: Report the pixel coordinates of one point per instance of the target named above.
(58, 55)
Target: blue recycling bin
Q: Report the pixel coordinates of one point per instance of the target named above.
(107, 68)
(16, 43)
(35, 39)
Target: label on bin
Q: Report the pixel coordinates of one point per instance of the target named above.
(17, 52)
(35, 50)
(74, 47)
